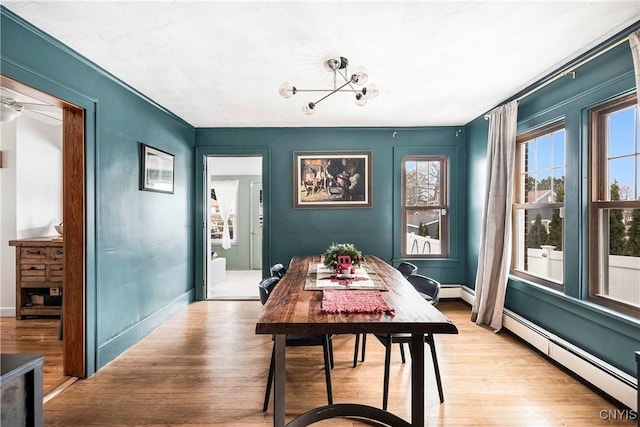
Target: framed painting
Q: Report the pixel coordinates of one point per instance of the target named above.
(332, 179)
(156, 170)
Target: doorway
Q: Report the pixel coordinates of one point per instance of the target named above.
(72, 321)
(234, 209)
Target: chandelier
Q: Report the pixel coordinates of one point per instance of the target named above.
(338, 66)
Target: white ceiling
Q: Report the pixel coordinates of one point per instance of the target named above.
(220, 63)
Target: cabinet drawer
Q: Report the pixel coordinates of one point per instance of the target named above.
(32, 272)
(27, 253)
(55, 253)
(55, 272)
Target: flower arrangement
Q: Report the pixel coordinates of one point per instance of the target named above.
(336, 249)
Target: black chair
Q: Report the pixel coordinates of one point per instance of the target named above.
(430, 289)
(266, 287)
(406, 269)
(277, 270)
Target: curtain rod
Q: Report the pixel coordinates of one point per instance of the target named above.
(570, 70)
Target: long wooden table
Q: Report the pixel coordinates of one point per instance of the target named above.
(292, 310)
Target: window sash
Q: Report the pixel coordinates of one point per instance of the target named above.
(439, 206)
(521, 260)
(600, 259)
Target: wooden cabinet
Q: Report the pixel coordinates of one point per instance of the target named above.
(39, 276)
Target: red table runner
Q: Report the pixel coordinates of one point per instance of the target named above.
(352, 301)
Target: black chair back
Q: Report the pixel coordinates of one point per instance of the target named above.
(266, 287)
(278, 270)
(407, 269)
(427, 286)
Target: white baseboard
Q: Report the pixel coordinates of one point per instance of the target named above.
(612, 381)
(7, 312)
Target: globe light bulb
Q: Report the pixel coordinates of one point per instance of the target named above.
(309, 108)
(361, 100)
(287, 90)
(371, 91)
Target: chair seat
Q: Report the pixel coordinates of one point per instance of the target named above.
(303, 340)
(395, 338)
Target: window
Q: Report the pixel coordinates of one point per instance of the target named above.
(424, 206)
(614, 207)
(538, 209)
(217, 221)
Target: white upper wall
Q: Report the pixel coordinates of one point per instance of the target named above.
(30, 192)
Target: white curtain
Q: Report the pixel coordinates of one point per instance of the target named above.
(634, 41)
(494, 256)
(226, 195)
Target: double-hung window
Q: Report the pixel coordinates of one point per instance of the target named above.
(614, 205)
(424, 206)
(538, 208)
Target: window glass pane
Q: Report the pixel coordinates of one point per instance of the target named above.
(422, 183)
(620, 131)
(410, 183)
(423, 232)
(558, 186)
(539, 241)
(558, 149)
(620, 255)
(621, 178)
(543, 152)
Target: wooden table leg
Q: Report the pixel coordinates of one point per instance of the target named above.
(278, 380)
(417, 380)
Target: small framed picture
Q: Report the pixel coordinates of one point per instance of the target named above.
(332, 179)
(156, 170)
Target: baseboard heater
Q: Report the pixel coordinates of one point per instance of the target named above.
(611, 380)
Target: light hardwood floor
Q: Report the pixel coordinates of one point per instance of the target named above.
(207, 367)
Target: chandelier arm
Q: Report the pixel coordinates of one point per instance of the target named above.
(331, 93)
(349, 82)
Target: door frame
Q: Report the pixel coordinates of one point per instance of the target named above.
(202, 252)
(74, 214)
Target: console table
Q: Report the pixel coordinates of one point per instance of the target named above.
(39, 276)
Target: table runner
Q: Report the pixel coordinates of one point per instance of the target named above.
(349, 301)
(320, 277)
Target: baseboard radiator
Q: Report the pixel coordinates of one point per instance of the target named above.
(611, 380)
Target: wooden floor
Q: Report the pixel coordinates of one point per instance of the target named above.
(206, 367)
(36, 336)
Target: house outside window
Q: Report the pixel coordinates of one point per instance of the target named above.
(424, 206)
(538, 208)
(614, 206)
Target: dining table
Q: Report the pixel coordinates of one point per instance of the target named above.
(298, 305)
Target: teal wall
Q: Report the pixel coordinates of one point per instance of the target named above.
(140, 245)
(602, 332)
(238, 256)
(146, 251)
(373, 230)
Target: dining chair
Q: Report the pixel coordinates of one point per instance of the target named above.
(430, 289)
(265, 288)
(277, 270)
(406, 269)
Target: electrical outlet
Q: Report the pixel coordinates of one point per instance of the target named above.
(54, 292)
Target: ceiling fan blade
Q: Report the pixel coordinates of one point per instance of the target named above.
(49, 117)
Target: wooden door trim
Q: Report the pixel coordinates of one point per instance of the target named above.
(74, 214)
(74, 294)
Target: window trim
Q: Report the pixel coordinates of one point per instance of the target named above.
(444, 206)
(598, 190)
(518, 206)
